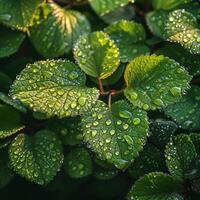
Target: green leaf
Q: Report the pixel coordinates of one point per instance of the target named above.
(54, 87)
(169, 4)
(195, 137)
(36, 158)
(18, 14)
(180, 153)
(115, 135)
(10, 121)
(10, 40)
(78, 163)
(55, 34)
(149, 160)
(186, 111)
(129, 37)
(103, 7)
(161, 131)
(182, 27)
(97, 55)
(14, 103)
(156, 22)
(191, 62)
(155, 82)
(155, 186)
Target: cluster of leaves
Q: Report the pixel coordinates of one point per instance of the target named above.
(57, 59)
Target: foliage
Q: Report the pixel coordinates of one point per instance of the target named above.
(102, 97)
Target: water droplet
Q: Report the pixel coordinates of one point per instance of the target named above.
(146, 107)
(73, 75)
(136, 121)
(128, 139)
(73, 105)
(108, 122)
(108, 140)
(176, 91)
(125, 114)
(94, 132)
(158, 102)
(112, 132)
(82, 101)
(125, 126)
(108, 155)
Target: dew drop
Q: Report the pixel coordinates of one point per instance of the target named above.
(136, 121)
(176, 91)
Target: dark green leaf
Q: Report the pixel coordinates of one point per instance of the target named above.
(36, 158)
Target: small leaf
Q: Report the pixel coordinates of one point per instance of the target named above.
(182, 27)
(191, 62)
(186, 111)
(155, 186)
(54, 87)
(14, 103)
(149, 160)
(55, 34)
(155, 82)
(169, 4)
(116, 135)
(38, 157)
(10, 121)
(129, 37)
(161, 131)
(97, 55)
(103, 7)
(18, 14)
(10, 40)
(180, 153)
(78, 163)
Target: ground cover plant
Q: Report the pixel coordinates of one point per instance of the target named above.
(100, 99)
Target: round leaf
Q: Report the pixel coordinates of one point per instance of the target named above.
(55, 34)
(54, 87)
(36, 158)
(155, 82)
(116, 135)
(97, 55)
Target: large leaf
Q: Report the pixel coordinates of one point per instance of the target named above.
(149, 160)
(116, 135)
(155, 82)
(169, 4)
(18, 14)
(155, 186)
(180, 153)
(10, 41)
(97, 55)
(78, 163)
(190, 61)
(103, 7)
(54, 87)
(10, 121)
(5, 82)
(186, 111)
(38, 157)
(129, 37)
(55, 34)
